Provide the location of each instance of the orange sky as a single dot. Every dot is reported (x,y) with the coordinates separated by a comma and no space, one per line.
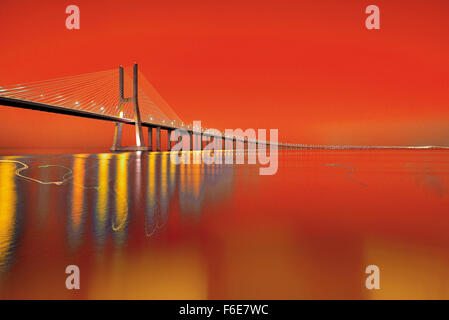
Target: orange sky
(308,68)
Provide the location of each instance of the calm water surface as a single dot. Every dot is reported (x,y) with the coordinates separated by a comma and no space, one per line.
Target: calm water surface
(140,227)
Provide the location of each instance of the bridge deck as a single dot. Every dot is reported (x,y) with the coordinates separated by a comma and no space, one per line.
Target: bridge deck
(11,102)
(18,103)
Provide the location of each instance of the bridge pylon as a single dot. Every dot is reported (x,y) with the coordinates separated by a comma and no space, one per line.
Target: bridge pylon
(117,143)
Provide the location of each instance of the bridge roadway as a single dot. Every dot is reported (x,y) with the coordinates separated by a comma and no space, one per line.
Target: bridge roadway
(17,103)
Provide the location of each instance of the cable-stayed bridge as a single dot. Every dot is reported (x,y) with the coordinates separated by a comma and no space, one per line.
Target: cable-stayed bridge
(113,95)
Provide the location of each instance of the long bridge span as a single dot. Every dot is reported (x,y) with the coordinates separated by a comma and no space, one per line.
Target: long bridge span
(113,95)
(101,96)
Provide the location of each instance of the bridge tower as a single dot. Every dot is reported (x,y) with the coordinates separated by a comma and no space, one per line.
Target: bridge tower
(117,143)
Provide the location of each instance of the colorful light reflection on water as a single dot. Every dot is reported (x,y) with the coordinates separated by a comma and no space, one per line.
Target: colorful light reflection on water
(139,226)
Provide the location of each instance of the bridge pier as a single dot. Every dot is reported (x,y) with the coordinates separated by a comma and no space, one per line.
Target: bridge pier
(199,141)
(207,141)
(194,141)
(117,142)
(238,144)
(150,138)
(228,144)
(169,139)
(158,138)
(218,142)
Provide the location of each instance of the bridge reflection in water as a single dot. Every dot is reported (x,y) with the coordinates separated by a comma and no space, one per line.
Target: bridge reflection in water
(105,189)
(139,226)
(100,198)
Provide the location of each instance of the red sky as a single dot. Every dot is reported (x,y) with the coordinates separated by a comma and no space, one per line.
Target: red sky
(309,68)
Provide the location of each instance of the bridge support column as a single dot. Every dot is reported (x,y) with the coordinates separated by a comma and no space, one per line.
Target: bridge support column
(158,139)
(150,138)
(191,141)
(237,144)
(117,142)
(227,144)
(169,139)
(217,142)
(204,142)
